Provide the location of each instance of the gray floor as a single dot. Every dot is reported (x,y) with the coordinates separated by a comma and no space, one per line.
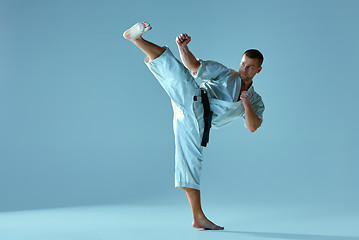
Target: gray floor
(174,222)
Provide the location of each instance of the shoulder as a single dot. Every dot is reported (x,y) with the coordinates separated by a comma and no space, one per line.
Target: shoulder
(256,97)
(212,63)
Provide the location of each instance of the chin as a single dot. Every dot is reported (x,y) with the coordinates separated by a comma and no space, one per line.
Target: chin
(244,78)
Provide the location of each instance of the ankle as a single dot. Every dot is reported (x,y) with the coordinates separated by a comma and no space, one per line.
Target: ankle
(199,217)
(139,39)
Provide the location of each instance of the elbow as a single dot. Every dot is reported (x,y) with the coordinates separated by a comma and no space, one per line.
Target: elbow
(252,130)
(252,127)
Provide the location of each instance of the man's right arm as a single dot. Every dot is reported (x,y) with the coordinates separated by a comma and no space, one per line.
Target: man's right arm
(187,57)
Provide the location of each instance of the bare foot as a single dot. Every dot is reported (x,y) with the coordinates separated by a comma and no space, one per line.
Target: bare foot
(136,31)
(204,223)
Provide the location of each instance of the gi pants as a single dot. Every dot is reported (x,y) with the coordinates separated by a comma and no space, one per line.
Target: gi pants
(188,123)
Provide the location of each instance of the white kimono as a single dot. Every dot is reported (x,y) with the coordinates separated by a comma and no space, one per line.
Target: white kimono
(223,88)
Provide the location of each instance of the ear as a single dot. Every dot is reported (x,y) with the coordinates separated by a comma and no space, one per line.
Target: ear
(259,69)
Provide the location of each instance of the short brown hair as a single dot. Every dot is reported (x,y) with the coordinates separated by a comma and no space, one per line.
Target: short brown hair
(254,53)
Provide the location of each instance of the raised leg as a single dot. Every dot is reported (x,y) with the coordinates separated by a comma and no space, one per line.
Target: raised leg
(134,34)
(199,219)
(153,51)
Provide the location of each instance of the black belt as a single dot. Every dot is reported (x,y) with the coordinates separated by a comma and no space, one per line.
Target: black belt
(207,116)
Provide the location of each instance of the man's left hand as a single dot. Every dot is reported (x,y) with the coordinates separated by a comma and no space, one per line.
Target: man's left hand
(245,97)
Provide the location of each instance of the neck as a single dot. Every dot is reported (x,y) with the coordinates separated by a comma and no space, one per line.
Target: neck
(245,85)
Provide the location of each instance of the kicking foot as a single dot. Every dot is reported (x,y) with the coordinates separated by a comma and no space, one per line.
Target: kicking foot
(205,224)
(136,31)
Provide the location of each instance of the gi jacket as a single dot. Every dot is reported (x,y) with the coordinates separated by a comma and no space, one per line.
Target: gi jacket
(223,86)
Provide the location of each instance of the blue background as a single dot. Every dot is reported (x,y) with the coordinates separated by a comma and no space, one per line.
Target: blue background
(83,121)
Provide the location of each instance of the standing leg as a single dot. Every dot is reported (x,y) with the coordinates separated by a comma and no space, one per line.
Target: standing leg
(134,34)
(199,219)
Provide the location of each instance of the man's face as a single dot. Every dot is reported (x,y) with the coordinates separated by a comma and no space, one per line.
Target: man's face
(249,68)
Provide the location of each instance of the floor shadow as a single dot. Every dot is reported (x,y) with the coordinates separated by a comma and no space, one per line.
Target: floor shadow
(292,236)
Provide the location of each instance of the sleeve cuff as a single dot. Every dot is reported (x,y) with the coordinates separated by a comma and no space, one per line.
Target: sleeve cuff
(200,69)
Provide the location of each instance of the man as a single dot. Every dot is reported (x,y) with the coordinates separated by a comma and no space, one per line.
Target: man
(223,96)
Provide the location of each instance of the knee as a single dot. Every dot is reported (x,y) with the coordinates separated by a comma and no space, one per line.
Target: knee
(147,59)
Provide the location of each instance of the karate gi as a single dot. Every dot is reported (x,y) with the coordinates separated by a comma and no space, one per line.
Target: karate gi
(223,88)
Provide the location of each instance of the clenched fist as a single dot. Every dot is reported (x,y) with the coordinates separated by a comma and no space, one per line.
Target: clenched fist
(183,39)
(245,97)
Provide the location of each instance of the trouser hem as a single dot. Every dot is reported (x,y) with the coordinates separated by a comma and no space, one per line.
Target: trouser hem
(188,185)
(150,62)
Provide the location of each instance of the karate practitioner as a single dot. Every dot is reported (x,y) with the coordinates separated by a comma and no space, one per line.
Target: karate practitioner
(224,96)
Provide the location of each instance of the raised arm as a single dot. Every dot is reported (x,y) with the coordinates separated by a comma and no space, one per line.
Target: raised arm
(187,57)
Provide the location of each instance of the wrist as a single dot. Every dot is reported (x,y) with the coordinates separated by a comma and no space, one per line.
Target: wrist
(247,105)
(183,47)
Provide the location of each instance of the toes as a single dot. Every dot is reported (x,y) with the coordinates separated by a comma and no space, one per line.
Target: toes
(146,27)
(216,227)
